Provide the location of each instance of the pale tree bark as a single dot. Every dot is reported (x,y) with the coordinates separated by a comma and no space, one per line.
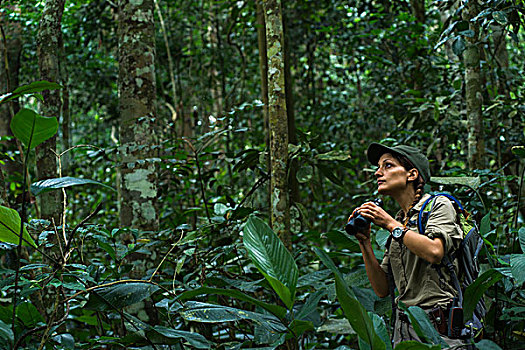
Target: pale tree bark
(280,209)
(48,38)
(137,94)
(290,115)
(263,70)
(473,94)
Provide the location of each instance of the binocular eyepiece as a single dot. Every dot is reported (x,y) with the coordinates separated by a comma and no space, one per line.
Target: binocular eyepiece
(359,222)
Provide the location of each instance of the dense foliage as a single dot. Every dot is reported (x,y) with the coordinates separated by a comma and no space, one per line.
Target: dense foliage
(215,275)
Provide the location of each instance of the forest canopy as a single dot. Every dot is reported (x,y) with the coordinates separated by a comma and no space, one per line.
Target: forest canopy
(178,174)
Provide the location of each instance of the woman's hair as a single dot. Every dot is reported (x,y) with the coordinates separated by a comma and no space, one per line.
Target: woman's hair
(418,183)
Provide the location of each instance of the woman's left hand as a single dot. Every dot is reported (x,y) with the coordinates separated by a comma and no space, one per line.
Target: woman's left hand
(378,216)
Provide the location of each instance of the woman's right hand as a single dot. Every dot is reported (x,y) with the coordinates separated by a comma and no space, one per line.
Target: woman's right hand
(362,237)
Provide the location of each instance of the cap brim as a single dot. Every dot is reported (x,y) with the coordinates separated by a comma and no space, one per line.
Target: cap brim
(376,150)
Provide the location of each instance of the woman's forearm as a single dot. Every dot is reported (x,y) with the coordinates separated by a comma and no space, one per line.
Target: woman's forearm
(375,273)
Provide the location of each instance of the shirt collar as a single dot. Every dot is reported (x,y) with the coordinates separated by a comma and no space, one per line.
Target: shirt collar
(415,209)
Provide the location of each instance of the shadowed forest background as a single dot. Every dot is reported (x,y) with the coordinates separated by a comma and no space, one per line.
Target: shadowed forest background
(177,174)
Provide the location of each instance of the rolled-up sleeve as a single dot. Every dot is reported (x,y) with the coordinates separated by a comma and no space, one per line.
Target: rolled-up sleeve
(442,223)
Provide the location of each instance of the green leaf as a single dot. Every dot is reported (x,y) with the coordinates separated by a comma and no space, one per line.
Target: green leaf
(305,173)
(486,344)
(44,186)
(353,309)
(163,335)
(311,304)
(423,327)
(271,257)
(415,345)
(65,340)
(28,315)
(500,17)
(119,295)
(343,240)
(28,126)
(521,236)
(458,46)
(6,336)
(517,265)
(10,228)
(210,313)
(519,151)
(475,291)
(299,327)
(484,226)
(36,86)
(471,181)
(357,316)
(334,155)
(381,329)
(275,310)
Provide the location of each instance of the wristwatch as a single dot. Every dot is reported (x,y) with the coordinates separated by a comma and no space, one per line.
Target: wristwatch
(398,233)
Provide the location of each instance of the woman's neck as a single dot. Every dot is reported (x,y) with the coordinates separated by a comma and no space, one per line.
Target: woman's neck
(405,199)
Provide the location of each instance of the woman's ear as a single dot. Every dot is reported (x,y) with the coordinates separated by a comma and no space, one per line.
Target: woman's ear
(413,174)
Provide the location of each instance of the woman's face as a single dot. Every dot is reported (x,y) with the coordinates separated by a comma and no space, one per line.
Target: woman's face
(391,176)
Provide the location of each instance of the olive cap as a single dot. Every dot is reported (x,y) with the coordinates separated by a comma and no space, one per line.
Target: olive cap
(414,155)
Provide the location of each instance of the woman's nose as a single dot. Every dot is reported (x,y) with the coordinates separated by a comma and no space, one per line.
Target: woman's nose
(377,173)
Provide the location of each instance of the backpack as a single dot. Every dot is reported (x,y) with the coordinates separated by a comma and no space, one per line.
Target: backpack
(467,258)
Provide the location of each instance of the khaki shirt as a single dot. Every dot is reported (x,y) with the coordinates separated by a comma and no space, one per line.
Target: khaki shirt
(419,282)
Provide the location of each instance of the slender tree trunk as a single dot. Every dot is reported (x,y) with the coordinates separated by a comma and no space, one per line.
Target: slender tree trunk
(10,50)
(137,94)
(48,38)
(418,10)
(290,114)
(263,69)
(473,93)
(280,209)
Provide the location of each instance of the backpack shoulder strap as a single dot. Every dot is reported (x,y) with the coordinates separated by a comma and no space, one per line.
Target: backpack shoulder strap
(421,222)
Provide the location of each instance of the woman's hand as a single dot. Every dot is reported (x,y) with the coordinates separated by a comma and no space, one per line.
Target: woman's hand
(362,237)
(378,216)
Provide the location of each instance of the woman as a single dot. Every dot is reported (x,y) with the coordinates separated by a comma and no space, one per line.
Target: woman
(402,173)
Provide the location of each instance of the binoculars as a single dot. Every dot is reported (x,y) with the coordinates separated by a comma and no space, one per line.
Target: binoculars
(360,223)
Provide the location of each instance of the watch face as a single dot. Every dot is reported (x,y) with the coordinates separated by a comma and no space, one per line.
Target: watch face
(397,232)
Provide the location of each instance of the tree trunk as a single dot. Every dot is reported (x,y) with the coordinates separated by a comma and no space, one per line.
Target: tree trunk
(10,50)
(48,39)
(263,69)
(137,93)
(473,93)
(280,210)
(418,10)
(290,114)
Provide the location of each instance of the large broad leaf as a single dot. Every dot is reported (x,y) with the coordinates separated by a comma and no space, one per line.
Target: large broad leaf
(272,259)
(519,151)
(517,265)
(415,345)
(210,313)
(32,129)
(43,186)
(354,311)
(472,182)
(10,228)
(164,335)
(423,327)
(6,336)
(475,291)
(119,295)
(521,236)
(36,86)
(276,310)
(486,344)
